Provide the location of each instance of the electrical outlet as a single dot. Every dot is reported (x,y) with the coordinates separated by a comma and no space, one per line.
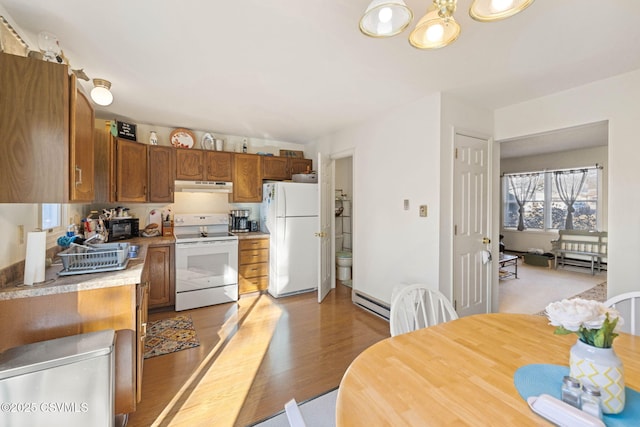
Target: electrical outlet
(21,234)
(406,204)
(423,210)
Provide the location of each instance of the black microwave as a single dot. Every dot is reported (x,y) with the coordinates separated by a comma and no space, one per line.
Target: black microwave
(122,228)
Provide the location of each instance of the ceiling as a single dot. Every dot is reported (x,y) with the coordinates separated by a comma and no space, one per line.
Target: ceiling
(585,136)
(292,70)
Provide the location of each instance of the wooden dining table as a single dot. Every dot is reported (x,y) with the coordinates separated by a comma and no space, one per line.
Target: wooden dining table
(459,373)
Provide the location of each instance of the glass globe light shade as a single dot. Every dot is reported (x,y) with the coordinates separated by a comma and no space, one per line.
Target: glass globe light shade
(101,94)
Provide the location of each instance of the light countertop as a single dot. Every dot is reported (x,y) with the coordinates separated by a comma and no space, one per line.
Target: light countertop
(55,284)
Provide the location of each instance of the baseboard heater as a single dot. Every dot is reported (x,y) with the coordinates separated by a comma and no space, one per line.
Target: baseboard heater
(371,305)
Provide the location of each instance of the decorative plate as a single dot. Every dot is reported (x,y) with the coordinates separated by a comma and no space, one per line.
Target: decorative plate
(207,143)
(182,138)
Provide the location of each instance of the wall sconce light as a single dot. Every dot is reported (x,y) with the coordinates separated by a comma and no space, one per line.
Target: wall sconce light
(101,93)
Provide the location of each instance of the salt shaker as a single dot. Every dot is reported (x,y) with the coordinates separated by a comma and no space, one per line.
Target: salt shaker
(591,400)
(571,391)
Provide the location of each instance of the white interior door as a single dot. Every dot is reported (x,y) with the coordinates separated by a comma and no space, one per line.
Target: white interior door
(471,276)
(324,236)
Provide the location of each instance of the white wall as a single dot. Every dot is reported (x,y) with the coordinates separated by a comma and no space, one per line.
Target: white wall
(396,157)
(524,240)
(457,115)
(615,100)
(12,247)
(404,154)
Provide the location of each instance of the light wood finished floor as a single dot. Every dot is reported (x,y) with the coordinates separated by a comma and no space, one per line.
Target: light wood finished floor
(253,357)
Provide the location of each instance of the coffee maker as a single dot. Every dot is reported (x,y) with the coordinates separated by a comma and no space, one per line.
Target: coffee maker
(239,220)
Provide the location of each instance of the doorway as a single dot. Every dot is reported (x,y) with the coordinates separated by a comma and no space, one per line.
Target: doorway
(575,147)
(343,206)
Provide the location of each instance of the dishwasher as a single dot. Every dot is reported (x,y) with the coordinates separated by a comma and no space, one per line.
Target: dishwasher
(64,382)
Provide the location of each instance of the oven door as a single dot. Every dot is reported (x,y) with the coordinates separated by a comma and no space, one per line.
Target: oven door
(209,264)
(206,273)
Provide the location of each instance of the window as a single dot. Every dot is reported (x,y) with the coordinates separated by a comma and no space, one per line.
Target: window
(545,205)
(50,216)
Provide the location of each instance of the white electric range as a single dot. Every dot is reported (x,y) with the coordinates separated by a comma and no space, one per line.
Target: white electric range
(206,260)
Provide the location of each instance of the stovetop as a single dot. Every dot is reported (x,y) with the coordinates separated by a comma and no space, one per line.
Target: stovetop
(202,227)
(204,237)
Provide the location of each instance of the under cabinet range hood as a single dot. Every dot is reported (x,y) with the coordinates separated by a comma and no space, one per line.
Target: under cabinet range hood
(203,186)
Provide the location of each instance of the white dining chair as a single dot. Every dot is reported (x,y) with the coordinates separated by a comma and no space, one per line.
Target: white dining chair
(418,306)
(294,416)
(628,305)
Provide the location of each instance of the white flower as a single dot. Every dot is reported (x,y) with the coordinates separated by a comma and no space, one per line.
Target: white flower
(576,313)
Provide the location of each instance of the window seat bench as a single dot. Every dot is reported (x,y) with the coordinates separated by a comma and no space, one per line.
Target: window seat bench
(580,246)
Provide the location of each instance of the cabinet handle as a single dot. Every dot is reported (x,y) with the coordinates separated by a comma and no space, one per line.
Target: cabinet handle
(144,331)
(79,170)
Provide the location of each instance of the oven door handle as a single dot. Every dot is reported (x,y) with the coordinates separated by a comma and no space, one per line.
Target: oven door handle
(197,245)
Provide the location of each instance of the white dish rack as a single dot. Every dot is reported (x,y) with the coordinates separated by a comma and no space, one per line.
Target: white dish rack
(94,259)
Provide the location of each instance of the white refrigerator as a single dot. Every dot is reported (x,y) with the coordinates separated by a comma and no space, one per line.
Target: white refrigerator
(290,214)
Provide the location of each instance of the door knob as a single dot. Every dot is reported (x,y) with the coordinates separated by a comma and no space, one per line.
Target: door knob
(486,240)
(321,234)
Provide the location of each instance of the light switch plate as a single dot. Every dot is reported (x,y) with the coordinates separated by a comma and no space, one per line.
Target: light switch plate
(406,204)
(423,210)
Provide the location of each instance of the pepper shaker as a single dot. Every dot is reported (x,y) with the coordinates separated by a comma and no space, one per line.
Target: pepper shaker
(571,391)
(591,400)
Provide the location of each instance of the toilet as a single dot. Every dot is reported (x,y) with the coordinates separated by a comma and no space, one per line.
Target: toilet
(343,260)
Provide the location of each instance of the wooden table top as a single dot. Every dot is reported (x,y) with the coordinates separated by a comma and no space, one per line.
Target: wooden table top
(459,373)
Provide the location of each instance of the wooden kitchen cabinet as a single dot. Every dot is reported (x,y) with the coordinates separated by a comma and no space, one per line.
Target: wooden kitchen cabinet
(37,109)
(160,260)
(253,265)
(81,125)
(276,168)
(142,319)
(300,165)
(162,173)
(282,168)
(189,164)
(130,171)
(201,165)
(218,166)
(247,178)
(46,317)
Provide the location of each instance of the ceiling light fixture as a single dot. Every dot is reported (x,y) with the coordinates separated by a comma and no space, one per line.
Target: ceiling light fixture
(436,29)
(101,93)
(385,18)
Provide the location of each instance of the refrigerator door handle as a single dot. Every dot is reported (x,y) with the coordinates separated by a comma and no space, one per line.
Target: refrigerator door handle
(284,197)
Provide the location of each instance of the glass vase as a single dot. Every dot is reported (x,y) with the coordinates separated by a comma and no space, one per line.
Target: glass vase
(603,368)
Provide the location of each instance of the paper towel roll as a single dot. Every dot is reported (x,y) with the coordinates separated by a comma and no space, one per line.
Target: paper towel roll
(34,263)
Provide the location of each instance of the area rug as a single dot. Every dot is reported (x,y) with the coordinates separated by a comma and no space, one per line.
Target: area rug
(597,293)
(170,335)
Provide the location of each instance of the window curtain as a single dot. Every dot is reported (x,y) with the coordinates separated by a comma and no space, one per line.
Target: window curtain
(569,185)
(523,190)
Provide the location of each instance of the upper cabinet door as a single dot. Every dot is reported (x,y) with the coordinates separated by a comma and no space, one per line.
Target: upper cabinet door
(162,173)
(299,166)
(34,131)
(247,178)
(131,171)
(81,145)
(218,166)
(190,165)
(276,168)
